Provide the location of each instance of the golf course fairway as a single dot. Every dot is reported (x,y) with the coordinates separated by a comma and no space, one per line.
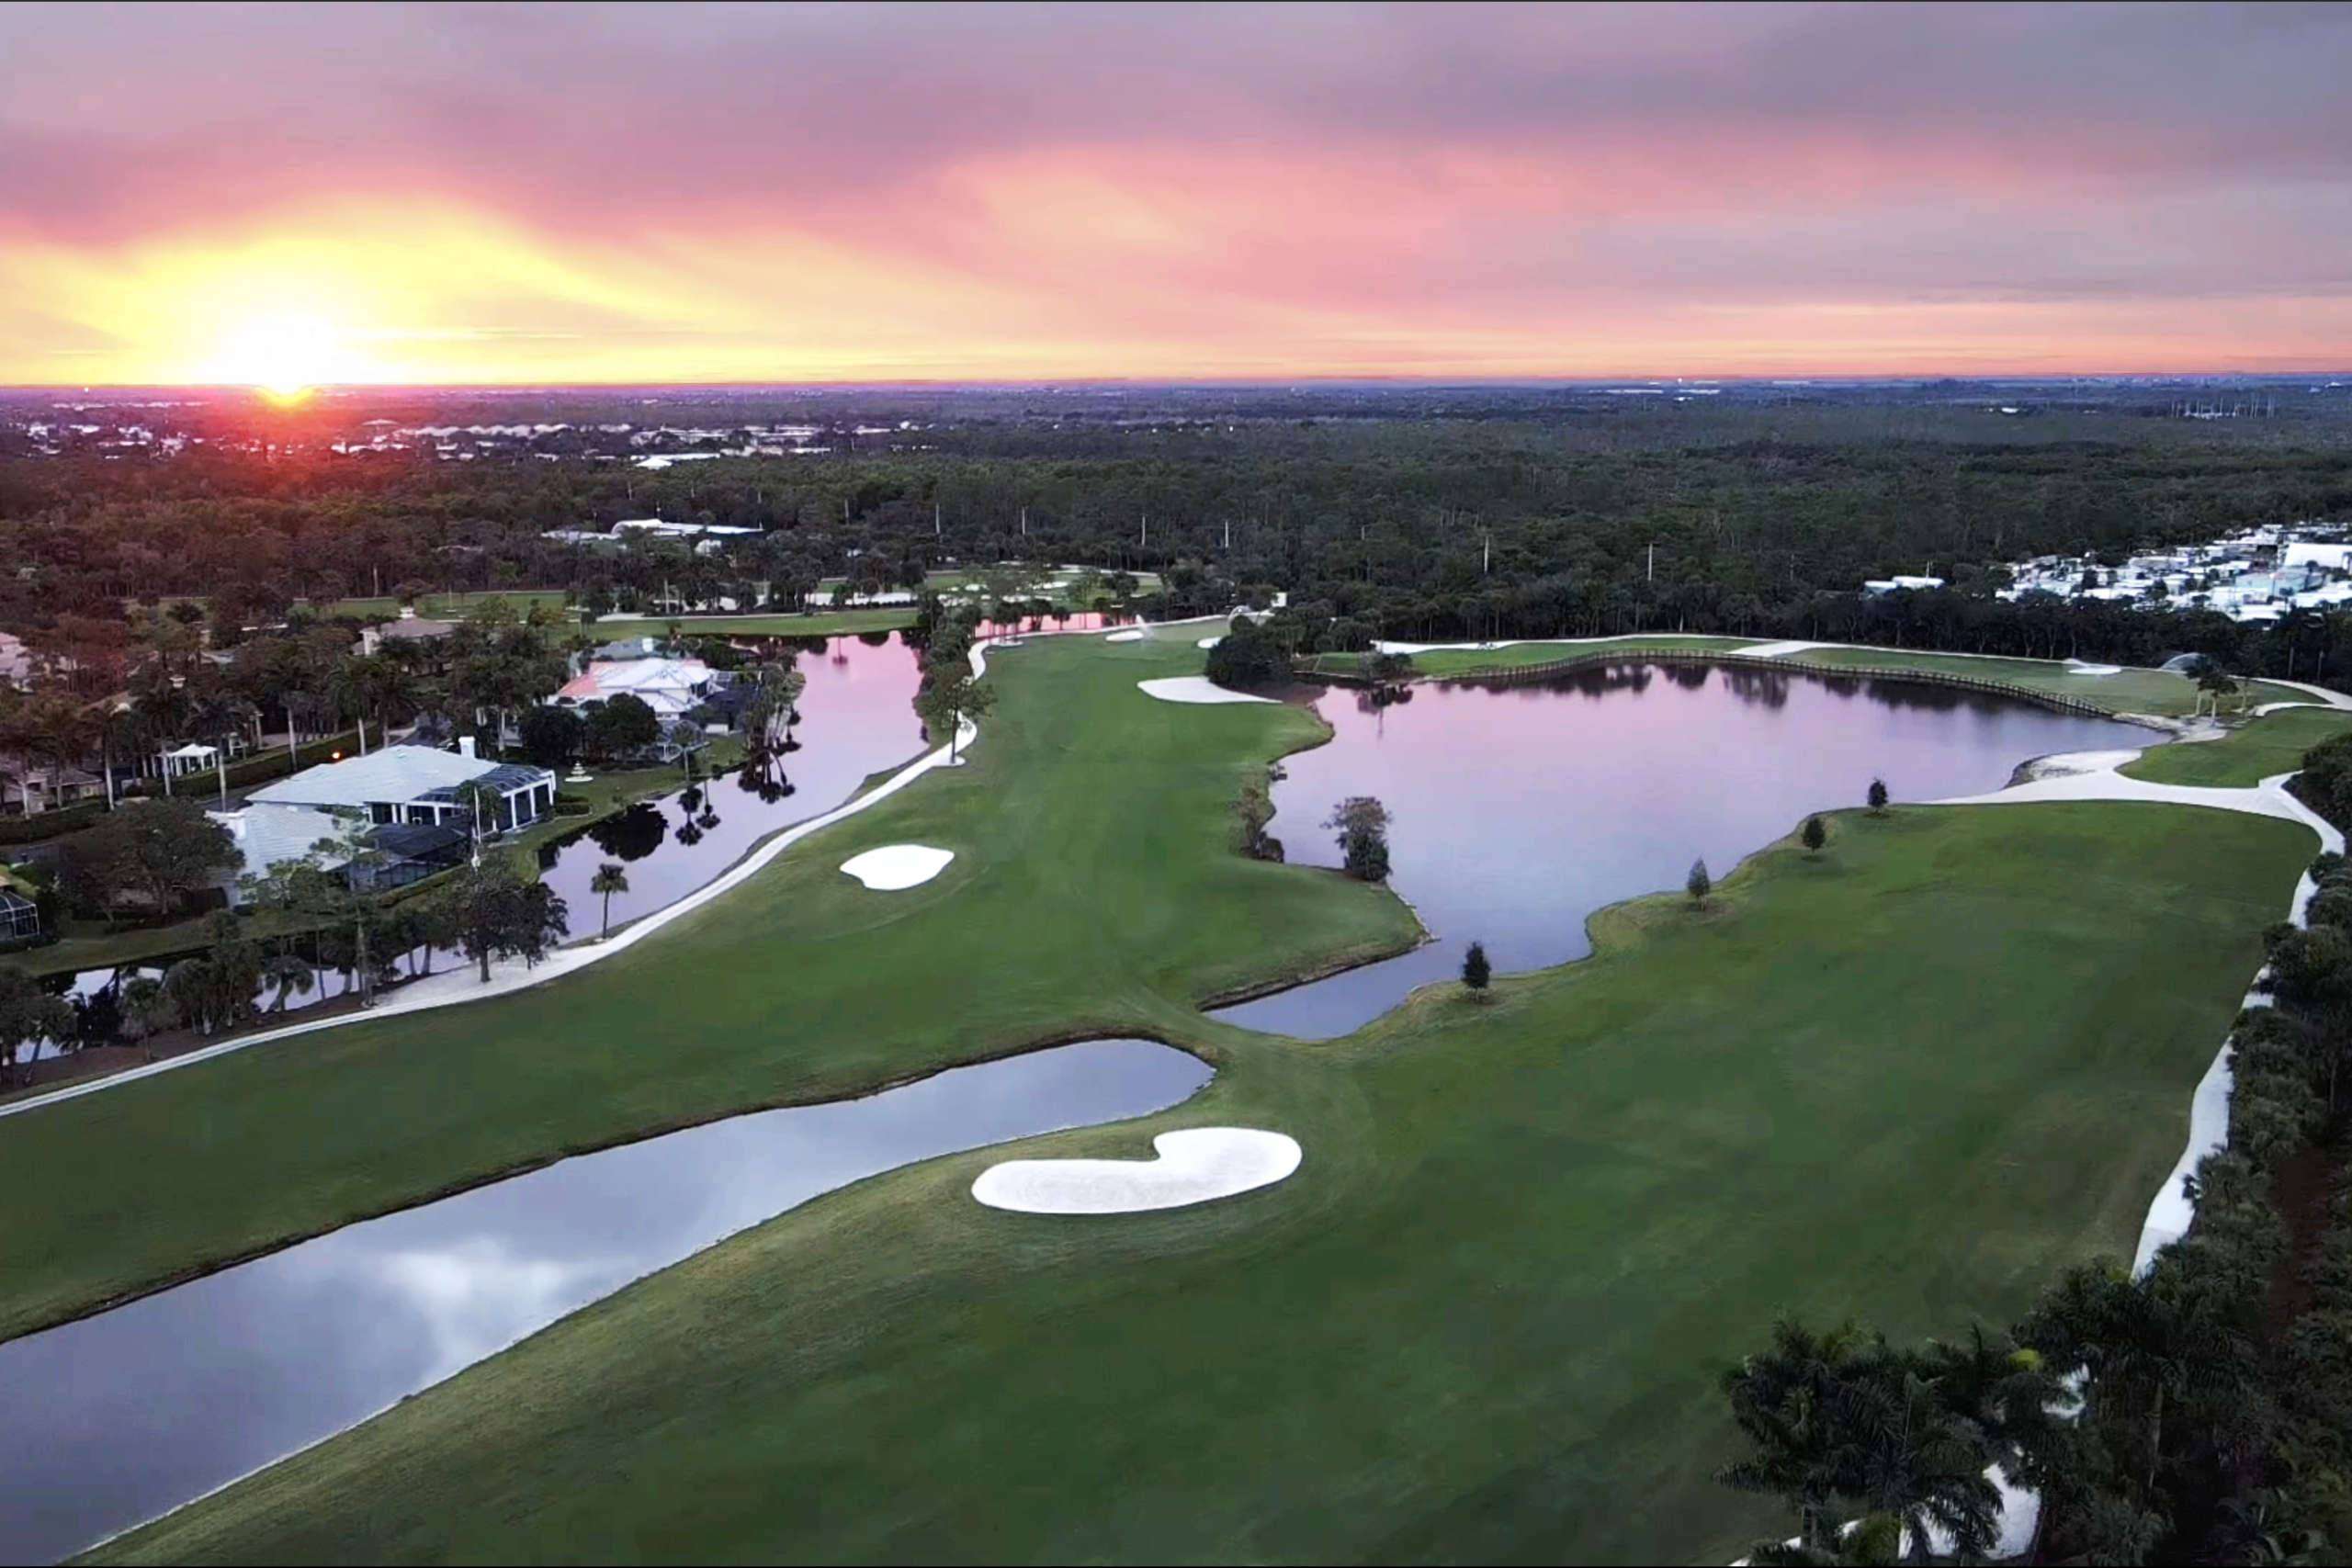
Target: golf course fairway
(1904,1080)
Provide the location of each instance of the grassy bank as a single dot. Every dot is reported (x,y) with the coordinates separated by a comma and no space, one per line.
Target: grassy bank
(2157,691)
(2264,747)
(1484,1320)
(1445,661)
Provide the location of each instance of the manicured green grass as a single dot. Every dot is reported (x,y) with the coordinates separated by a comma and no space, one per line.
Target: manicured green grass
(444,606)
(1093,893)
(824,622)
(2266,747)
(1904,1080)
(1447,661)
(2154,692)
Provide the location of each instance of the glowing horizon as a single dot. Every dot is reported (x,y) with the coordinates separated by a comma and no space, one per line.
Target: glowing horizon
(464,195)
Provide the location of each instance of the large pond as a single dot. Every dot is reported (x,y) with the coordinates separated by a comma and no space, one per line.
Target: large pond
(1521,810)
(117,1419)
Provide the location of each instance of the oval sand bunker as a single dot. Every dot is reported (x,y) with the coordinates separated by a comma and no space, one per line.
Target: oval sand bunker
(895,866)
(1194,688)
(1198,1165)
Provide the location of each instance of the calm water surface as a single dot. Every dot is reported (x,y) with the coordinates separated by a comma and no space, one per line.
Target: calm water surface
(1520,810)
(117,1419)
(856,719)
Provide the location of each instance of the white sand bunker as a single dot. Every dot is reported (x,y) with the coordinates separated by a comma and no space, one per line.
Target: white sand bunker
(2076,667)
(1199,1165)
(1130,634)
(1193,689)
(895,866)
(1208,642)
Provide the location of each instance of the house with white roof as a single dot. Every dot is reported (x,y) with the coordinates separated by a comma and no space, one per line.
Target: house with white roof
(397,853)
(417,784)
(668,686)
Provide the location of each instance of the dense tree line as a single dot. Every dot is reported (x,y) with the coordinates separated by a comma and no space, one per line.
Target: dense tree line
(1433,529)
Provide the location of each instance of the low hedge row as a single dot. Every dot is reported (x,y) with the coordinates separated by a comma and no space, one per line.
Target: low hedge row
(51,824)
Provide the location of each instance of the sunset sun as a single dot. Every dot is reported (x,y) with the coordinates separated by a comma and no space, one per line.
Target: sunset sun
(284,357)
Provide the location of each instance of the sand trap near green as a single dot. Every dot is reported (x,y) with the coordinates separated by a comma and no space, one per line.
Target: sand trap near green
(1194,688)
(1198,1165)
(894,867)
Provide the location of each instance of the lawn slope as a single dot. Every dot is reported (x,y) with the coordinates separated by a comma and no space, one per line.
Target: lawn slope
(2158,692)
(1905,1079)
(2264,747)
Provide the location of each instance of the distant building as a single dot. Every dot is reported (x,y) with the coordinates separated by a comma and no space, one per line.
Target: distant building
(410,628)
(707,537)
(1890,584)
(28,788)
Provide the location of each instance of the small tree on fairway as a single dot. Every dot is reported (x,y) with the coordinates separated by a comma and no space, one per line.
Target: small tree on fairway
(1813,836)
(2214,682)
(610,879)
(1878,795)
(1699,884)
(948,697)
(1476,971)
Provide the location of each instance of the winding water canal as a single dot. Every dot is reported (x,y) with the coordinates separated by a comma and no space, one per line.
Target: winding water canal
(117,1419)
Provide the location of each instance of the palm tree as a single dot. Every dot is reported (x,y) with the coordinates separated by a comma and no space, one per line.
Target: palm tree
(368,686)
(1922,1465)
(482,804)
(290,974)
(1789,1401)
(610,879)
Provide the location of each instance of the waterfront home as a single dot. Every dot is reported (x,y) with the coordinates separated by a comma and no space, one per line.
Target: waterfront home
(418,784)
(668,686)
(392,854)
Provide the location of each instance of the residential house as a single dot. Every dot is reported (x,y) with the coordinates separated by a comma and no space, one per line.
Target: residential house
(410,628)
(28,788)
(417,784)
(396,854)
(668,686)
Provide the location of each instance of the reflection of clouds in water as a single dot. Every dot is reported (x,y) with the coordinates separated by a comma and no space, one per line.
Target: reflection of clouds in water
(479,1297)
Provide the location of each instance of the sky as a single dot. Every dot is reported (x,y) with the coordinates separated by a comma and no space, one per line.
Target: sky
(618,194)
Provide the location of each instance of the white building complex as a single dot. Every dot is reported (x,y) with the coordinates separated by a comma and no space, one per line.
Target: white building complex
(2259,575)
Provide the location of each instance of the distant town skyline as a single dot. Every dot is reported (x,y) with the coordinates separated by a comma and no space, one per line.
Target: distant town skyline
(454,194)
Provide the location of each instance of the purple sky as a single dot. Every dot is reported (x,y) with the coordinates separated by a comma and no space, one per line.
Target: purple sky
(610,192)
